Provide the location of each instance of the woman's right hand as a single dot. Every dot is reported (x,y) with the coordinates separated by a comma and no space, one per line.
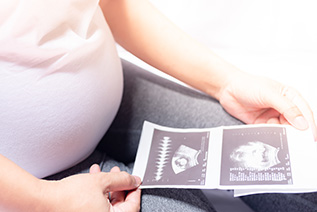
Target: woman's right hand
(90,192)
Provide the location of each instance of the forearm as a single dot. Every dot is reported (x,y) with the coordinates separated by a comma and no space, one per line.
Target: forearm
(146,33)
(20,191)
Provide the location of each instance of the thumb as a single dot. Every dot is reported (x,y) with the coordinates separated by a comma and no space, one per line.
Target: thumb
(119,181)
(288,103)
(298,122)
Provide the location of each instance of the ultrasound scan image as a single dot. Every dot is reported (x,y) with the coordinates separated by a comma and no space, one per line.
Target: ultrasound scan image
(177,158)
(253,156)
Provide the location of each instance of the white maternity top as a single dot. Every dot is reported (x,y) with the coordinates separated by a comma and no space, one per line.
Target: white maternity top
(60,82)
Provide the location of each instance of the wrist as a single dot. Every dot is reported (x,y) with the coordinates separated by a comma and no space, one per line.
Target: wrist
(28,197)
(222,75)
(46,198)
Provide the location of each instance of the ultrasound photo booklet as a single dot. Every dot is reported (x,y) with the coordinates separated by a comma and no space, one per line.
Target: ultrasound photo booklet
(248,159)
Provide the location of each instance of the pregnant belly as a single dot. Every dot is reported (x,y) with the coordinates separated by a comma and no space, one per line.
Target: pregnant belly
(53,122)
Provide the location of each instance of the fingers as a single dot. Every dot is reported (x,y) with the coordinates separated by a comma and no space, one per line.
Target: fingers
(303,106)
(117,196)
(305,117)
(273,121)
(287,106)
(283,120)
(126,202)
(294,116)
(94,169)
(116,180)
(293,113)
(269,116)
(115,169)
(119,181)
(132,201)
(295,110)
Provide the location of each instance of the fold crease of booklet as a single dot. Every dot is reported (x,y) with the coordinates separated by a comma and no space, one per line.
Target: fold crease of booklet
(248,159)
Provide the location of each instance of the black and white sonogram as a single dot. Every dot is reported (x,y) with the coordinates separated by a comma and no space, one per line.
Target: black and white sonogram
(177,158)
(254,156)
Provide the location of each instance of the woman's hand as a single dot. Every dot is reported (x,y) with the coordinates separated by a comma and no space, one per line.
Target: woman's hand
(96,191)
(254,99)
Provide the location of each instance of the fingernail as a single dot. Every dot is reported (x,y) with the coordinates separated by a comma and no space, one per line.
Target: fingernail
(300,122)
(137,181)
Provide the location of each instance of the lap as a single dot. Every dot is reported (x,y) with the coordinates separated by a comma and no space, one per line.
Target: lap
(149,97)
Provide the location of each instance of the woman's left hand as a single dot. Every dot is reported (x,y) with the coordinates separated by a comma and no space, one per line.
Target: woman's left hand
(254,100)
